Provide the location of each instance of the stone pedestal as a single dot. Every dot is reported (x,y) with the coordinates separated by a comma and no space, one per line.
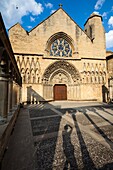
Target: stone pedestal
(3,99)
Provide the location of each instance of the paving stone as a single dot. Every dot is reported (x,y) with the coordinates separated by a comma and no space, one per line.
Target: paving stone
(62,142)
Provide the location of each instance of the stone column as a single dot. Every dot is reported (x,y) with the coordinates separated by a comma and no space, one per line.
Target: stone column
(3,99)
(10,92)
(18,94)
(14,95)
(111,89)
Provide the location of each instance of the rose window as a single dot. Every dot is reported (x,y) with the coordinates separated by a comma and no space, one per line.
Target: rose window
(60,47)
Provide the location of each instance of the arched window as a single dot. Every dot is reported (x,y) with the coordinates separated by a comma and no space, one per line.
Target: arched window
(60,47)
(27,76)
(23,75)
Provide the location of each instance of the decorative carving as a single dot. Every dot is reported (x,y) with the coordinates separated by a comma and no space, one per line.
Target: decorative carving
(59,67)
(60,47)
(94,73)
(29,68)
(60,44)
(60,78)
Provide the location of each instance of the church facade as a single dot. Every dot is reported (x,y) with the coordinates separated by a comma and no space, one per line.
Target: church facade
(60,61)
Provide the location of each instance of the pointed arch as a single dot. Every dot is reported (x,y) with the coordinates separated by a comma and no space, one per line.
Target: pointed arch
(60,66)
(22,63)
(27,64)
(32,76)
(65,39)
(37,65)
(37,76)
(61,74)
(33,64)
(22,71)
(27,76)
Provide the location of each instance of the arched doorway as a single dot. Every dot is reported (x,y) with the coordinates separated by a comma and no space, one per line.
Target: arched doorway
(60,92)
(61,81)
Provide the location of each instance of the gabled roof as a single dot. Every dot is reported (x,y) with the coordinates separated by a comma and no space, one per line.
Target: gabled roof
(19,25)
(14,25)
(53,14)
(48,18)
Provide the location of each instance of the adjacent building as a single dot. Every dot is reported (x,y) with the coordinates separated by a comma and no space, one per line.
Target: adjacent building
(109,60)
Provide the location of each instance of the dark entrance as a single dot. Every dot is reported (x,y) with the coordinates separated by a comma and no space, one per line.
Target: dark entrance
(60,92)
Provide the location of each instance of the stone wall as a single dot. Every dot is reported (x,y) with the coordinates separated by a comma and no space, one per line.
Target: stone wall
(110,75)
(33,55)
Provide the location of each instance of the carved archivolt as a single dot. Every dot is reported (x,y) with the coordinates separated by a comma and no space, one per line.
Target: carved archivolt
(29,68)
(61,69)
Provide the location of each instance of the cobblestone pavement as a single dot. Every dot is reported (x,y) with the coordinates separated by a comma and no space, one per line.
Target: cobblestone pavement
(65,135)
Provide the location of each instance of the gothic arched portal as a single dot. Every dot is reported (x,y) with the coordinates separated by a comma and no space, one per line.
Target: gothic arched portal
(59,75)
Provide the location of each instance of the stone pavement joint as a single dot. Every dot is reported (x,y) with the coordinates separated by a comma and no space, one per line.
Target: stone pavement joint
(94,135)
(62,135)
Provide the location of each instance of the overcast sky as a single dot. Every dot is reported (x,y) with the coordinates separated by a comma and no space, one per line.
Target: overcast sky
(30,13)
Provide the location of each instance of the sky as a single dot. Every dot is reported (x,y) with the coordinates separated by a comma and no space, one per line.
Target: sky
(30,13)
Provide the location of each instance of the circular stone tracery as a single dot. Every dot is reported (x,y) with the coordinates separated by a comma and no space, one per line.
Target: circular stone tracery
(60,47)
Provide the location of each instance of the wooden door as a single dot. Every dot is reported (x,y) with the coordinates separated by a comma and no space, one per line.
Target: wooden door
(60,92)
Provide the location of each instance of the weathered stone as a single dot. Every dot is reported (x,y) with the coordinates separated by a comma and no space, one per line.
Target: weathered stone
(82,68)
